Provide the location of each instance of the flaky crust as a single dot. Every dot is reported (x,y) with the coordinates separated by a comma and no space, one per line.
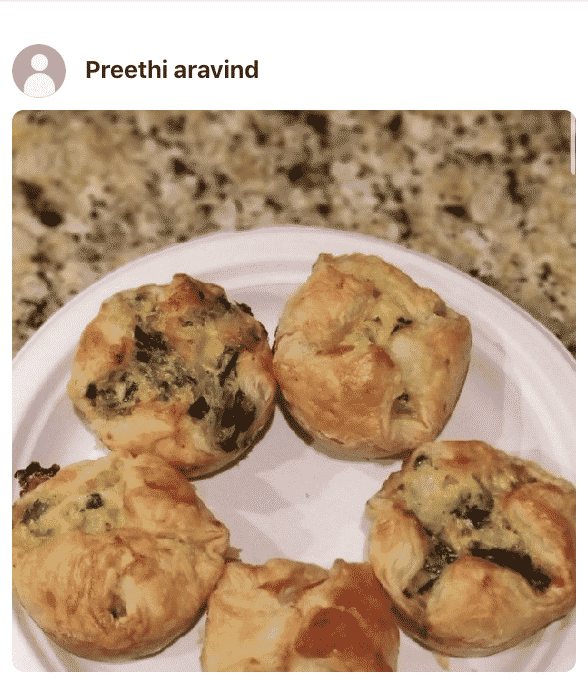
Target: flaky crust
(177,371)
(476,547)
(114,558)
(369,363)
(292,616)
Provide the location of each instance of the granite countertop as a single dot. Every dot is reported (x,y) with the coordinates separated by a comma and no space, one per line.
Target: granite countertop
(489,192)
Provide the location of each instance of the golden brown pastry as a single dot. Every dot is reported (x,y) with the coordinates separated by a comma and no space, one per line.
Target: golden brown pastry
(292,616)
(175,370)
(114,558)
(475,547)
(369,363)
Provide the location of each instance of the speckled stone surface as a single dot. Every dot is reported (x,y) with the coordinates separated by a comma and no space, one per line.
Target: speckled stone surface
(489,192)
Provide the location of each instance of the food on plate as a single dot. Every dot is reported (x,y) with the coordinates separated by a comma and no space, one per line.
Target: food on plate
(291,616)
(369,363)
(175,370)
(114,558)
(475,547)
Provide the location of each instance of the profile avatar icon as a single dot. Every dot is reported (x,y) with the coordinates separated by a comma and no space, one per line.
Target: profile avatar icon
(39,85)
(38,71)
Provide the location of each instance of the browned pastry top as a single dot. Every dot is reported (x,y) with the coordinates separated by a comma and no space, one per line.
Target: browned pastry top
(291,616)
(476,547)
(113,558)
(369,363)
(175,370)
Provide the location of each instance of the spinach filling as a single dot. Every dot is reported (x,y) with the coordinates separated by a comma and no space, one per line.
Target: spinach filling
(32,515)
(235,419)
(232,418)
(29,478)
(34,511)
(440,555)
(148,345)
(228,365)
(400,405)
(121,391)
(245,307)
(117,608)
(475,509)
(401,322)
(518,562)
(199,409)
(94,501)
(116,395)
(472,510)
(237,414)
(44,519)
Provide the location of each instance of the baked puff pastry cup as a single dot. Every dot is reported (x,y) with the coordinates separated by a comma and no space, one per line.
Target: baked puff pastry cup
(177,371)
(114,558)
(475,547)
(291,616)
(369,363)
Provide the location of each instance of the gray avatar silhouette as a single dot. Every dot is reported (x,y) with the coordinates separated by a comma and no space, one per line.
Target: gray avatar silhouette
(38,71)
(39,85)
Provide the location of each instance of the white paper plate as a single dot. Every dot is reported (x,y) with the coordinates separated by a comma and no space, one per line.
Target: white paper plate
(285,499)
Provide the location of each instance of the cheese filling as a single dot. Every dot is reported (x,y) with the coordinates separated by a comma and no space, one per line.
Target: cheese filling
(461,519)
(48,518)
(209,391)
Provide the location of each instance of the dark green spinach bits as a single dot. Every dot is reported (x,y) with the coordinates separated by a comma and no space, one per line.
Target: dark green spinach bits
(475,510)
(236,418)
(148,345)
(94,501)
(199,409)
(110,396)
(440,555)
(228,366)
(520,563)
(401,322)
(34,511)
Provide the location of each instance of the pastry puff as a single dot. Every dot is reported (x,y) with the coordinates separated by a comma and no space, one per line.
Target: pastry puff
(369,363)
(177,371)
(475,547)
(114,558)
(292,616)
